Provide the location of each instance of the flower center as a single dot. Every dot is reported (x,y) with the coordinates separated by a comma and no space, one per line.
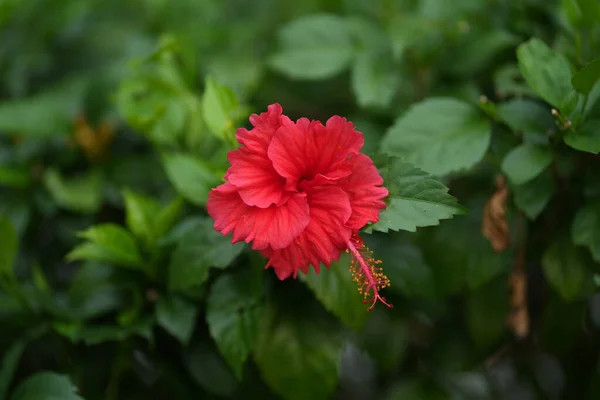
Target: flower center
(365,272)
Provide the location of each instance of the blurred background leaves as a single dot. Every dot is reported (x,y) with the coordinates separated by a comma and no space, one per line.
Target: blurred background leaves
(115,122)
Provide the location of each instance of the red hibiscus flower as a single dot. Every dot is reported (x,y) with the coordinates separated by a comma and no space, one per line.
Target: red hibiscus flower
(300,192)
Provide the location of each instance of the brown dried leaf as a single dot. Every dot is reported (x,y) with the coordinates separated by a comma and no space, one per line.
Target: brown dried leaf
(94,143)
(518,320)
(495,225)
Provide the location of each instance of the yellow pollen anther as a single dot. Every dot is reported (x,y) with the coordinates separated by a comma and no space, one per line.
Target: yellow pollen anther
(366,273)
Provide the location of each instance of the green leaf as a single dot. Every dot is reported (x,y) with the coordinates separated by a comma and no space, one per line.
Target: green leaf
(585,79)
(386,338)
(477,50)
(294,349)
(404,265)
(526,117)
(10,363)
(92,335)
(415,199)
(586,228)
(509,82)
(140,215)
(235,307)
(415,388)
(46,114)
(168,216)
(192,178)
(564,265)
(8,249)
(337,291)
(486,311)
(92,292)
(459,254)
(525,162)
(15,177)
(81,194)
(408,30)
(590,11)
(316,46)
(108,243)
(177,316)
(201,248)
(483,264)
(548,73)
(219,104)
(439,135)
(375,80)
(586,138)
(208,369)
(533,196)
(46,386)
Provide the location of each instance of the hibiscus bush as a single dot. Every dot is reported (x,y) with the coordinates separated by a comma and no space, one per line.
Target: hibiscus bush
(322,199)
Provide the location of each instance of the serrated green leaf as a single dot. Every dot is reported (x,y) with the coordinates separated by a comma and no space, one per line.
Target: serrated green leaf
(585,79)
(140,215)
(81,194)
(8,249)
(375,80)
(317,46)
(525,162)
(564,266)
(548,73)
(586,228)
(415,199)
(439,135)
(235,308)
(10,362)
(338,293)
(46,386)
(586,138)
(108,243)
(219,104)
(198,251)
(294,349)
(192,178)
(177,316)
(533,196)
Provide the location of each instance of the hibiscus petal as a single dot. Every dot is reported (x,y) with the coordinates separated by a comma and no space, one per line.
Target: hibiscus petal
(364,190)
(265,125)
(324,238)
(274,227)
(310,151)
(335,142)
(257,181)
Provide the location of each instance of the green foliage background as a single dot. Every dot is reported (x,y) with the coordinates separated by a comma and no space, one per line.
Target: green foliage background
(115,121)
